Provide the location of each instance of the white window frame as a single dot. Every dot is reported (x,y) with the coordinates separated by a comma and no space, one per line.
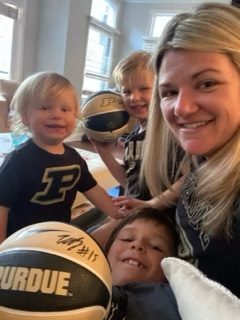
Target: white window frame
(18,34)
(150,42)
(112,33)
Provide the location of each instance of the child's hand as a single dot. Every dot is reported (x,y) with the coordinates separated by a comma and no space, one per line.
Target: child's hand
(128,205)
(102,147)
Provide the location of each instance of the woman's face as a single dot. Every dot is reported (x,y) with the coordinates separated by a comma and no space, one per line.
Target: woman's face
(136,253)
(200,99)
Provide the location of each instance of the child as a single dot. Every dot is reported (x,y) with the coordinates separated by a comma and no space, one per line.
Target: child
(40,179)
(138,244)
(135,250)
(134,78)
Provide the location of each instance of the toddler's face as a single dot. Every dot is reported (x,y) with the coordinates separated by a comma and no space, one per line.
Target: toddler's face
(136,91)
(53,119)
(136,253)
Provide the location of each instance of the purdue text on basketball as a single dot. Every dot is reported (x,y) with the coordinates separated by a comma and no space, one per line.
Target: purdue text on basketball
(34,280)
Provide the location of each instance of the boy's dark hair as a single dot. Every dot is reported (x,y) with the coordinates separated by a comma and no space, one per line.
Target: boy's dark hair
(163,217)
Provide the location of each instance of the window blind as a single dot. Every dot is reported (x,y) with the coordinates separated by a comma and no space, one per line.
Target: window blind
(99,55)
(149,43)
(9,11)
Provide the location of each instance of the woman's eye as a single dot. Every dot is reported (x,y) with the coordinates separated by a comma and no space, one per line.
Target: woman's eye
(167,93)
(208,84)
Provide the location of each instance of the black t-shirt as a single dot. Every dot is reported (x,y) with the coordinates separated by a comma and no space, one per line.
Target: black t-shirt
(39,186)
(134,147)
(217,257)
(143,301)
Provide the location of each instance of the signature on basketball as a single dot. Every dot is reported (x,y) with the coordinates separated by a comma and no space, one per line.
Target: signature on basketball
(79,245)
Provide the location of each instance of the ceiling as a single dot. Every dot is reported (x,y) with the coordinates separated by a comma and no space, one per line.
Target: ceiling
(163,1)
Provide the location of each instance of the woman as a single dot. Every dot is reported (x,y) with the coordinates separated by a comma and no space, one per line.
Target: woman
(196,104)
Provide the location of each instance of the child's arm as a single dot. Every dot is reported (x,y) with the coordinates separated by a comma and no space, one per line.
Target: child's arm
(100,199)
(105,150)
(102,233)
(166,200)
(3,222)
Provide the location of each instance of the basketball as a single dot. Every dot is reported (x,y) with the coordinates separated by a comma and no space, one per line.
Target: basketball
(52,270)
(104,116)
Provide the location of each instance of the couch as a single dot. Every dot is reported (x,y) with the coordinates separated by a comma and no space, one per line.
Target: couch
(7,90)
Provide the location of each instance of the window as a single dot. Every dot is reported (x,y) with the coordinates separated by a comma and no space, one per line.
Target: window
(9,15)
(104,11)
(100,46)
(157,25)
(6,32)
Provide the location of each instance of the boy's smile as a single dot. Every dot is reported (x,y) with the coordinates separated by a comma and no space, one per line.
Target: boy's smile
(136,253)
(136,92)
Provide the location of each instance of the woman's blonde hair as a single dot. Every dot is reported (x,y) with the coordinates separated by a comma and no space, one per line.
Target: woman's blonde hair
(138,60)
(34,89)
(211,27)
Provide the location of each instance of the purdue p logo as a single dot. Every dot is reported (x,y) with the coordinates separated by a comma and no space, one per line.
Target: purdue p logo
(56,182)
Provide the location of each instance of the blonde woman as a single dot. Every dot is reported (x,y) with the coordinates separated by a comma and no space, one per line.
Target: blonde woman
(196,104)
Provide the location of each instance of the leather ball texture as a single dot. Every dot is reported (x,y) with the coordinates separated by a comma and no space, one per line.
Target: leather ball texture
(104,117)
(52,270)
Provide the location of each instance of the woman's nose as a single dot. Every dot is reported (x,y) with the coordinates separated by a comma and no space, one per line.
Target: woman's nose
(184,104)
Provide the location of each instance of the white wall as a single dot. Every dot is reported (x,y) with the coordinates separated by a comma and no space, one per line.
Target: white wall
(76,41)
(30,39)
(55,38)
(52,35)
(136,19)
(56,33)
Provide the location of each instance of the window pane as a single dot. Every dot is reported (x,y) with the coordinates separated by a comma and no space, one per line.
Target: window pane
(6,33)
(104,11)
(159,23)
(98,52)
(98,61)
(94,85)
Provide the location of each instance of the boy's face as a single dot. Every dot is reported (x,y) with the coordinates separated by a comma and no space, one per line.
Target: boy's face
(53,119)
(136,91)
(136,253)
